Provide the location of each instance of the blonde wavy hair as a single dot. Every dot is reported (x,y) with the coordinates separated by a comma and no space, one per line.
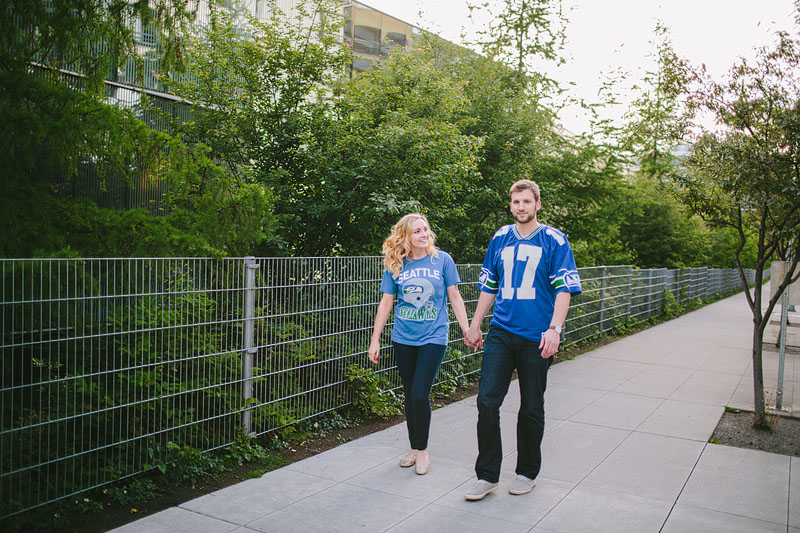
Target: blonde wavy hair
(397,245)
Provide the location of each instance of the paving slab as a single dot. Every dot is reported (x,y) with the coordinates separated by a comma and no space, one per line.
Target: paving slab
(711,388)
(691,356)
(440,479)
(608,375)
(601,511)
(683,420)
(741,482)
(447,520)
(656,381)
(689,519)
(457,416)
(618,410)
(177,520)
(650,447)
(247,501)
(344,462)
(342,507)
(563,400)
(647,465)
(729,360)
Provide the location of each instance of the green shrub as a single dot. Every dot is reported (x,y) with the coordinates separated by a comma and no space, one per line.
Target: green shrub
(368,398)
(185,463)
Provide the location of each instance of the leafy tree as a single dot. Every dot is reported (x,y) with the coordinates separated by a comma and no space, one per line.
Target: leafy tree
(522,139)
(746,175)
(658,229)
(723,243)
(209,213)
(522,32)
(259,92)
(655,134)
(391,146)
(514,110)
(53,118)
(56,120)
(657,121)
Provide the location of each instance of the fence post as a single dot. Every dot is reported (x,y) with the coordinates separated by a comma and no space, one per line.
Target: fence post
(630,290)
(248,350)
(602,298)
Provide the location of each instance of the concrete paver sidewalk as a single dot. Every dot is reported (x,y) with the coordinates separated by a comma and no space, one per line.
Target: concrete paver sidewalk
(625,449)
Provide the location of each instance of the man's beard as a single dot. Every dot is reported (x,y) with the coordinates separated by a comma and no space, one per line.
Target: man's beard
(527,217)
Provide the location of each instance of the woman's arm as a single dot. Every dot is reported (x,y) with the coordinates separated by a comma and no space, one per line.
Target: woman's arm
(384,308)
(459,309)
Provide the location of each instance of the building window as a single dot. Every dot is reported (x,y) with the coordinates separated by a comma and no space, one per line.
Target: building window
(367,40)
(148,37)
(394,38)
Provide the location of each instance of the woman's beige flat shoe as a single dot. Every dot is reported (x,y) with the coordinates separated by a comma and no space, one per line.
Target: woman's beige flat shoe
(423,464)
(409,459)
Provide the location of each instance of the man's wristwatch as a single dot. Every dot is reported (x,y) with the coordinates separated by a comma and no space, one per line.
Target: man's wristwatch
(557,328)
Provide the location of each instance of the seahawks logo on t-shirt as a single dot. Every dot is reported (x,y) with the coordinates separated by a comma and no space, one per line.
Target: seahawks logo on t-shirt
(417,291)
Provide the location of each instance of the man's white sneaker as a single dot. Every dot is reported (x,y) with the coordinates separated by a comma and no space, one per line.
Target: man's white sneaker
(479,490)
(521,485)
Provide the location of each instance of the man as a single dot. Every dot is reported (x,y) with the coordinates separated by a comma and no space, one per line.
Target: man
(529,275)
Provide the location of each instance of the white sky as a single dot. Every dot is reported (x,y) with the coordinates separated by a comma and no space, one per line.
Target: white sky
(607,35)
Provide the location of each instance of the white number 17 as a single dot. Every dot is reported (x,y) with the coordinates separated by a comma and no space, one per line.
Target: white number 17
(531,255)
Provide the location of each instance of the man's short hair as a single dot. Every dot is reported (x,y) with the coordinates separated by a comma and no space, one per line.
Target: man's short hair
(525,185)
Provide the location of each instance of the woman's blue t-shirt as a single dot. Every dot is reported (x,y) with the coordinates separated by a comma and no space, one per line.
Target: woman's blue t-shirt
(420,316)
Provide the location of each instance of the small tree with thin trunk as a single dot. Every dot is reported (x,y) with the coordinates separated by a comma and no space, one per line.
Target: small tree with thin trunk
(745,174)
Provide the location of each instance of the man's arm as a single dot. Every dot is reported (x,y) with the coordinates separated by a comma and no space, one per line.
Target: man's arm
(551,339)
(474,337)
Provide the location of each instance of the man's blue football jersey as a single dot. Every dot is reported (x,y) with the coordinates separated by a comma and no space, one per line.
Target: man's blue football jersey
(525,274)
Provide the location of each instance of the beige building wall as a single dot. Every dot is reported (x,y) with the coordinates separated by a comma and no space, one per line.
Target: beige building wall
(776,276)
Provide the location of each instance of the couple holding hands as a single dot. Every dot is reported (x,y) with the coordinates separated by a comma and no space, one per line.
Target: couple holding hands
(528,275)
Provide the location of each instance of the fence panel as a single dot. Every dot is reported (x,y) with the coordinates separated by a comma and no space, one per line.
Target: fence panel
(108,364)
(106,361)
(603,303)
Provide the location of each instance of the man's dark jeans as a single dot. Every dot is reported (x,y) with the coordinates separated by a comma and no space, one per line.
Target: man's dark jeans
(418,366)
(505,352)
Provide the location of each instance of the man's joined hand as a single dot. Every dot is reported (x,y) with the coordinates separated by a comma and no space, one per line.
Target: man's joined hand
(474,339)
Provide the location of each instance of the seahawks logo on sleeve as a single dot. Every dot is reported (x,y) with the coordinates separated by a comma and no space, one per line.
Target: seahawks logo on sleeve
(487,281)
(567,278)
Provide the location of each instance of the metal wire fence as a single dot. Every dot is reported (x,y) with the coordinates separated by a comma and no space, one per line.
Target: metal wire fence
(105,362)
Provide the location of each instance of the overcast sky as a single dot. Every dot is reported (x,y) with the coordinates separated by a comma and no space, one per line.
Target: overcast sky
(608,35)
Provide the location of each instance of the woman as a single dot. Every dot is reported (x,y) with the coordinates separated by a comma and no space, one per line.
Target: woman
(423,278)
